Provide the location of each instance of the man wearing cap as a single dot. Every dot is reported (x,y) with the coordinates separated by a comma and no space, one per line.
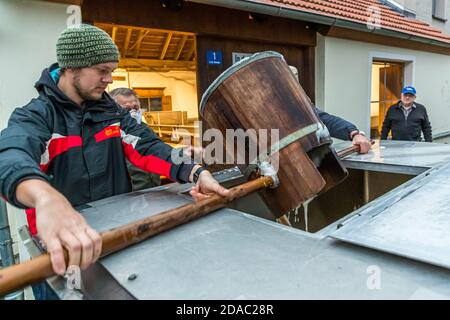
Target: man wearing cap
(68,146)
(407,119)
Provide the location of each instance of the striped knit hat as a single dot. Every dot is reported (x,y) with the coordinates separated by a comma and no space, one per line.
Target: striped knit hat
(84,46)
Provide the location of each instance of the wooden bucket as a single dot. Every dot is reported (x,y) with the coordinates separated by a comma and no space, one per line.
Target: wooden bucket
(260,92)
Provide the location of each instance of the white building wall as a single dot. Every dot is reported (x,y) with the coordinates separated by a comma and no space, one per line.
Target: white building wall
(28,34)
(343,70)
(424,12)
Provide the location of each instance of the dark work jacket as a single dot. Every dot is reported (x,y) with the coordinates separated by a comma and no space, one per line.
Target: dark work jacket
(407,129)
(81,152)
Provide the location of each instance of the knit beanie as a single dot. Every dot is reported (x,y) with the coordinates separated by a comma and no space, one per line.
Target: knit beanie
(84,46)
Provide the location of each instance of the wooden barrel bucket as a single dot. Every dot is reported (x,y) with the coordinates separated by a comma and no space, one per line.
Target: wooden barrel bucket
(260,92)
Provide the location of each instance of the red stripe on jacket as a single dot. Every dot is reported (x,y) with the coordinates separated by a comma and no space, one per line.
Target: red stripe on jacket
(60,145)
(149,163)
(56,147)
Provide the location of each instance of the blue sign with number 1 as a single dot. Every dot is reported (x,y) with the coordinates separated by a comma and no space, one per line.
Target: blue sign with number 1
(214,57)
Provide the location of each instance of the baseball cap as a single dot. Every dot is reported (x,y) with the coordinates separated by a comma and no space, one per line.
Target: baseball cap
(410,90)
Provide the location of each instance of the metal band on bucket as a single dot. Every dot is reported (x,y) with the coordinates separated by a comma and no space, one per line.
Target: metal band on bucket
(283,143)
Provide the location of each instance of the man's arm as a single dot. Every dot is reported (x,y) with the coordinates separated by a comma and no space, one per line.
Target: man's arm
(344,130)
(426,128)
(145,150)
(387,124)
(338,127)
(21,146)
(60,226)
(24,185)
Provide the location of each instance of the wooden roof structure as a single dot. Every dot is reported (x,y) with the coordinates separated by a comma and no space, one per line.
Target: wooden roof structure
(145,49)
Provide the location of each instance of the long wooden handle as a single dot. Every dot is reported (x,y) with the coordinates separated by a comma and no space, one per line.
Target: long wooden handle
(348,151)
(21,275)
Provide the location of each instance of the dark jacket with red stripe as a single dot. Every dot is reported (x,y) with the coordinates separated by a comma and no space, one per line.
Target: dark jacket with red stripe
(79,151)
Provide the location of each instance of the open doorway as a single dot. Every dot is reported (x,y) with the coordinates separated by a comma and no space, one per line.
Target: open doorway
(160,66)
(387,83)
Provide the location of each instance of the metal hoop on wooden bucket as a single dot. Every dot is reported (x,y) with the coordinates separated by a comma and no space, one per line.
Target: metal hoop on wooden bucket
(260,92)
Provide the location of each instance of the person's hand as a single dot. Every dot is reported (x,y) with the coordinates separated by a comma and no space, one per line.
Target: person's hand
(60,226)
(363,142)
(207,186)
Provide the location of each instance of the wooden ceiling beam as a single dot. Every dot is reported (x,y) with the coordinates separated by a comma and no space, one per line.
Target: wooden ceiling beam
(153,64)
(166,46)
(114,34)
(152,30)
(180,47)
(127,42)
(137,44)
(191,53)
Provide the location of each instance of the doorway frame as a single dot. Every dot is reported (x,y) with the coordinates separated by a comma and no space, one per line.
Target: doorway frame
(409,73)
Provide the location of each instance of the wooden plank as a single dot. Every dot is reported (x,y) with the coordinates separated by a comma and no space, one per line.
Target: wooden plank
(180,47)
(201,20)
(167,104)
(155,63)
(166,45)
(163,32)
(137,44)
(166,118)
(114,34)
(127,42)
(191,54)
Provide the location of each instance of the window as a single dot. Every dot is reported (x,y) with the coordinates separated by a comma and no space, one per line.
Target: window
(151,104)
(153,99)
(439,9)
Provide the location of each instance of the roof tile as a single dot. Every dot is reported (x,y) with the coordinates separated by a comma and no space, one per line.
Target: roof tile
(361,11)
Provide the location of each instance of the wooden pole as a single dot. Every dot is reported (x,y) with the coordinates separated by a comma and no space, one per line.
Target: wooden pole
(348,151)
(21,275)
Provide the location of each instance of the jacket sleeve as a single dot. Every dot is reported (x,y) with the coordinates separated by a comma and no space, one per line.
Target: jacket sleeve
(426,128)
(21,146)
(387,124)
(338,127)
(146,151)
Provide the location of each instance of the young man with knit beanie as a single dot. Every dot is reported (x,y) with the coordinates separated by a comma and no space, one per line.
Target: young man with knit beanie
(67,147)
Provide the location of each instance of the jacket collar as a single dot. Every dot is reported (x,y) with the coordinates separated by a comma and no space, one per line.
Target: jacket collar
(48,87)
(400,105)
